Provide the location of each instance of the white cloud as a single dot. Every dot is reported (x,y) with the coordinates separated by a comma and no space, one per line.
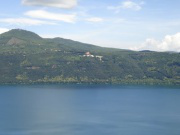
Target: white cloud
(95,19)
(2,30)
(42,14)
(169,43)
(127,5)
(51,3)
(25,21)
(131,5)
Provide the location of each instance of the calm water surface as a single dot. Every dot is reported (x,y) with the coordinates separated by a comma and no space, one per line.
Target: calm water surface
(89,110)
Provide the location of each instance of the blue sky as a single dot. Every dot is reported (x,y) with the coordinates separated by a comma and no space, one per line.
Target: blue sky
(126,24)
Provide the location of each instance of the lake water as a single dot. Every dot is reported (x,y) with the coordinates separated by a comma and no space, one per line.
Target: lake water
(89,110)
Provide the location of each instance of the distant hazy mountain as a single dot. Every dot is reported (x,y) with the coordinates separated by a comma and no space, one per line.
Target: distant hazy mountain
(25,57)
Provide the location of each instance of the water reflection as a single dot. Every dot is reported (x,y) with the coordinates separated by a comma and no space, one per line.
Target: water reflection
(79,110)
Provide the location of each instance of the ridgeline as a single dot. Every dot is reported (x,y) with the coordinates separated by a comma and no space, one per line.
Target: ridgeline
(25,57)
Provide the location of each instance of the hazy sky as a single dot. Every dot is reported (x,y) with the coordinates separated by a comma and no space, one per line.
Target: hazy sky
(127,24)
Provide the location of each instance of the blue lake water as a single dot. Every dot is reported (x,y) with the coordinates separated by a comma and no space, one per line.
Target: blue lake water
(89,110)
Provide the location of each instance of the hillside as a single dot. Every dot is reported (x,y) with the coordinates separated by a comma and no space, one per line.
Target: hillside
(25,57)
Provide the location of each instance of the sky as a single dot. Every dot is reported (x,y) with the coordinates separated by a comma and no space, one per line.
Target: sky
(126,24)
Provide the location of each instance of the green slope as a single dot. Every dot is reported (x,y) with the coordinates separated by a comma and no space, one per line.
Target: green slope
(25,57)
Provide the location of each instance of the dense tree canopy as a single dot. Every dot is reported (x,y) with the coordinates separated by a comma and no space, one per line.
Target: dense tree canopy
(25,57)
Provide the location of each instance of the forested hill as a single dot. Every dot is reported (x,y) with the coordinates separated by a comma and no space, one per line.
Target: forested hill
(25,57)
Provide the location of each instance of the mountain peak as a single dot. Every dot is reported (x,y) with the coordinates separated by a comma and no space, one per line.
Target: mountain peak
(21,34)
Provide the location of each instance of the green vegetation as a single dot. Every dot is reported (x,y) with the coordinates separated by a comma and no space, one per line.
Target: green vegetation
(25,57)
